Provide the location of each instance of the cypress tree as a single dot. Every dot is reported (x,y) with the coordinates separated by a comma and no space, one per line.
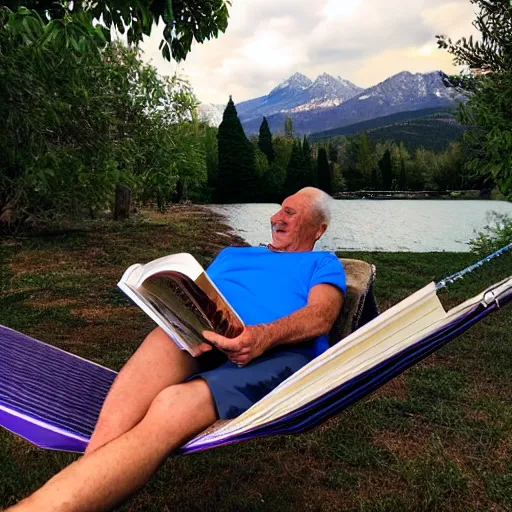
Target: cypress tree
(386,170)
(324,172)
(237,179)
(309,174)
(265,141)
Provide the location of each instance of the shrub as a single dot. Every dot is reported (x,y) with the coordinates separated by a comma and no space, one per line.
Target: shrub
(496,234)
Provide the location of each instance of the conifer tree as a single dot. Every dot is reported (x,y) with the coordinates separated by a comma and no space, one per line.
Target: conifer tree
(324,174)
(237,179)
(309,171)
(265,141)
(386,170)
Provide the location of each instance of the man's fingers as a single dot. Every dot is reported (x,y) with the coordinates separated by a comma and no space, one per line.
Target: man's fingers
(210,336)
(204,347)
(222,343)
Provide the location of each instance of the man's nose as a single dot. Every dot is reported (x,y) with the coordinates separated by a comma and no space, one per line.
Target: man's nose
(276,217)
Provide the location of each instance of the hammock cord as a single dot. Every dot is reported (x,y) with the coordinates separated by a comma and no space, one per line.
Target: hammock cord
(450,279)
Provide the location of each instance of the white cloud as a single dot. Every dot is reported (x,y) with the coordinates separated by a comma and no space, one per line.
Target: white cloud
(364,41)
(337,9)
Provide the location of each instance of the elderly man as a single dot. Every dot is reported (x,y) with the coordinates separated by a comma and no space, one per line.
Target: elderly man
(288,297)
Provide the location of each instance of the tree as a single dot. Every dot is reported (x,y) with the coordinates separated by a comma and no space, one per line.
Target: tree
(490,97)
(265,141)
(288,127)
(451,175)
(337,178)
(237,178)
(349,150)
(183,20)
(211,149)
(296,177)
(307,163)
(333,151)
(403,158)
(365,159)
(276,176)
(77,121)
(386,170)
(324,173)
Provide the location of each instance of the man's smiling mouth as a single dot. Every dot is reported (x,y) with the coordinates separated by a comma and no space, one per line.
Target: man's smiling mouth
(278,228)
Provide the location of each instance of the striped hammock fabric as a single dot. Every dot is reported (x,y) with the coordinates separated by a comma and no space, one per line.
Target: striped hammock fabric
(53,398)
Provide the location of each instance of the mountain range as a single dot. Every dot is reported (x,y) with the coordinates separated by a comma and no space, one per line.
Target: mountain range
(333,102)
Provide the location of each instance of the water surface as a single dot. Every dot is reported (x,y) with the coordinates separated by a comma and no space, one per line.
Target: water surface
(372,225)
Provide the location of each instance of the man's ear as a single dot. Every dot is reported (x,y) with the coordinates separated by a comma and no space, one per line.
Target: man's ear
(321,231)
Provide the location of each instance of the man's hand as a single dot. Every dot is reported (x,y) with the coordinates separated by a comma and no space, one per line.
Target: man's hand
(242,349)
(314,319)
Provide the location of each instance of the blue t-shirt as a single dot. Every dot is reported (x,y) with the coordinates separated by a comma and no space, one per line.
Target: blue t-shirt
(264,285)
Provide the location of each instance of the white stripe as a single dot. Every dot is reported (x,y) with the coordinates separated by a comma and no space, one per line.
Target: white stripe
(42,424)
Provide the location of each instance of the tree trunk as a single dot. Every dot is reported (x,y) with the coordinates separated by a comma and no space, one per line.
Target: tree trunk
(123,202)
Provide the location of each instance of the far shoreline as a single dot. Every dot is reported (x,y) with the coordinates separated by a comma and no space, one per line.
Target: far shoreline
(415,195)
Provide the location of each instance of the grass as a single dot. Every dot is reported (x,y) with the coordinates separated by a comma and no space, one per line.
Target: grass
(439,437)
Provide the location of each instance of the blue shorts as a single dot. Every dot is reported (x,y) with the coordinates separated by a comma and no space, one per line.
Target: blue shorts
(236,389)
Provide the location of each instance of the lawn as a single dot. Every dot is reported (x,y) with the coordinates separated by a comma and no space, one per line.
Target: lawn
(439,437)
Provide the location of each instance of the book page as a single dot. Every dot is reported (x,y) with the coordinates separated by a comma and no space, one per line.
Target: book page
(189,308)
(224,320)
(167,297)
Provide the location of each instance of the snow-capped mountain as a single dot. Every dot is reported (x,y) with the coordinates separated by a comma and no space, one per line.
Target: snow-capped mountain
(298,81)
(323,106)
(210,113)
(404,91)
(297,94)
(326,91)
(286,95)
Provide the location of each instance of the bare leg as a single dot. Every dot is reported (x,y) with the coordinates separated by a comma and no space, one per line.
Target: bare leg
(113,472)
(157,364)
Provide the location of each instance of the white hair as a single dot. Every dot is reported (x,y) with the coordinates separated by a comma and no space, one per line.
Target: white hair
(321,203)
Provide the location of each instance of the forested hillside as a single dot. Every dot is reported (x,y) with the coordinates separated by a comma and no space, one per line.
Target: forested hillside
(434,133)
(431,129)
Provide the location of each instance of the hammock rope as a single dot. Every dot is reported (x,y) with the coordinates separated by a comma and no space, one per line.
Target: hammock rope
(459,275)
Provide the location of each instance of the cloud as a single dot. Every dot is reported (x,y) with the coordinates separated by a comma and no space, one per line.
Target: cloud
(384,64)
(452,18)
(364,41)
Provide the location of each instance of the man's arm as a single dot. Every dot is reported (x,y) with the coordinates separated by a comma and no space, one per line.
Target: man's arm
(314,319)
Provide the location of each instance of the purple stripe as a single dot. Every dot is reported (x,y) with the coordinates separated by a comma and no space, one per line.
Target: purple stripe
(43,435)
(50,385)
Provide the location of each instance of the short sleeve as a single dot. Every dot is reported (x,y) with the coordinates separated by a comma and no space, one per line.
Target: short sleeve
(329,270)
(217,264)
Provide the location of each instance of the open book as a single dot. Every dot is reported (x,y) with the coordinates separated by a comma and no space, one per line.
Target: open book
(178,295)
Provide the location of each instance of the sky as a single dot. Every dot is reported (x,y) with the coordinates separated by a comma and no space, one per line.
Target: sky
(364,41)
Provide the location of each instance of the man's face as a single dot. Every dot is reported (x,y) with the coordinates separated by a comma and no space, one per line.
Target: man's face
(295,226)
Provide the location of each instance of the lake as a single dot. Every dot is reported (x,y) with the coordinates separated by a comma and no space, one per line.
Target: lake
(371,225)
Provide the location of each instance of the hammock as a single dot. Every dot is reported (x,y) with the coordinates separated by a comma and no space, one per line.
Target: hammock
(53,398)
